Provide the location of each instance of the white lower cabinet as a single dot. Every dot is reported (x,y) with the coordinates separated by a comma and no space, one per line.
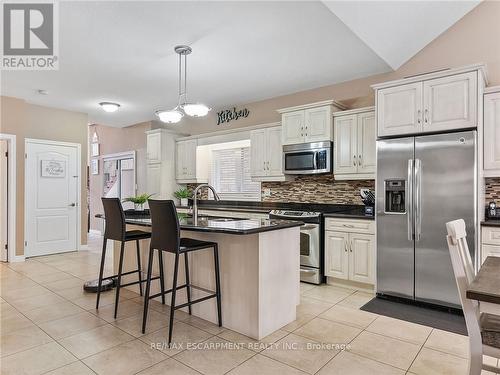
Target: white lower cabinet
(336,255)
(490,242)
(350,250)
(361,251)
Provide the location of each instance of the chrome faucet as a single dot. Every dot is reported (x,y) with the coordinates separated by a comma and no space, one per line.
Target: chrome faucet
(195,199)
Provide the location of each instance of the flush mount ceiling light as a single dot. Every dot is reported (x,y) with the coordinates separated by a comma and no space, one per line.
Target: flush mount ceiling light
(109,106)
(183,107)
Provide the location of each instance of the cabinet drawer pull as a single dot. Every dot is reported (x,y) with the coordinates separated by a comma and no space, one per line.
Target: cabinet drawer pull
(426,116)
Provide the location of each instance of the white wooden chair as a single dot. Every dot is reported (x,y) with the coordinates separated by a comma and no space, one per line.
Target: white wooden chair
(483,329)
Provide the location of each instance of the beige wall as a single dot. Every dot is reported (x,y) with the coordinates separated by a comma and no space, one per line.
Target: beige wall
(26,120)
(473,39)
(112,141)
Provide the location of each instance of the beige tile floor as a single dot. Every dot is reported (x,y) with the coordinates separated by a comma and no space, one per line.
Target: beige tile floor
(49,326)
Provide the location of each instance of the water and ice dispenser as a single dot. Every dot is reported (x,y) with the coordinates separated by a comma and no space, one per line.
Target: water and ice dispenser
(395,196)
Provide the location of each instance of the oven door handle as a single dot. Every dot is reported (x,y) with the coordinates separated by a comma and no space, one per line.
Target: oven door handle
(303,270)
(308,227)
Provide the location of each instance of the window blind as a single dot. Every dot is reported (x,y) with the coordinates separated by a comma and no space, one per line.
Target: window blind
(230,174)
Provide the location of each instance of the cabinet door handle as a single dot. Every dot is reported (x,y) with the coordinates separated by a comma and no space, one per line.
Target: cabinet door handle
(268,166)
(264,164)
(354,161)
(359,160)
(426,116)
(345,247)
(350,246)
(419,116)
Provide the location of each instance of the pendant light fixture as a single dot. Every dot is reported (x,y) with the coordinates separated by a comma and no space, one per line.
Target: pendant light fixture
(183,106)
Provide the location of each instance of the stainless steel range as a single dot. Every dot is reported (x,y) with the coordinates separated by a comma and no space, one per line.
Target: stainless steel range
(311,250)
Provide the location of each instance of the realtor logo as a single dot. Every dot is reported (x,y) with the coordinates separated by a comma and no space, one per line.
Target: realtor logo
(29,36)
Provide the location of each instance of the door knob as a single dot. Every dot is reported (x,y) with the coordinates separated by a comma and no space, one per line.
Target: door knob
(72,205)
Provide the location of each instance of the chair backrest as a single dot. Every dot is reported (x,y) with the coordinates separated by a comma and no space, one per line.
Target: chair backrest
(165,228)
(464,274)
(115,219)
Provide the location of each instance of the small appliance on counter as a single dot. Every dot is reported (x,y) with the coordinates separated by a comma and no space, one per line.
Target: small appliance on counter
(369,201)
(493,212)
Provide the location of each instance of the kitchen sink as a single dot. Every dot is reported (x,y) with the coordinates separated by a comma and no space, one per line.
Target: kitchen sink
(223,219)
(220,219)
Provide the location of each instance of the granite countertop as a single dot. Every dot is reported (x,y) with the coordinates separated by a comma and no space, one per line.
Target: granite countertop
(223,225)
(354,213)
(491,223)
(329,210)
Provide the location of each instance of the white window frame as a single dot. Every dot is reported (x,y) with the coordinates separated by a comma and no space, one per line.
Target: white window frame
(254,197)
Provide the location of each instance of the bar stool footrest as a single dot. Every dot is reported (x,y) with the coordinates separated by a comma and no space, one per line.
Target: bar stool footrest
(195,301)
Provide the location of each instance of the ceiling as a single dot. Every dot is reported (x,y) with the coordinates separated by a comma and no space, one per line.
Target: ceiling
(242,51)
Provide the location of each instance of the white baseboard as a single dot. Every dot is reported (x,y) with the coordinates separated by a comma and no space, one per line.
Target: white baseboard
(84,247)
(17,258)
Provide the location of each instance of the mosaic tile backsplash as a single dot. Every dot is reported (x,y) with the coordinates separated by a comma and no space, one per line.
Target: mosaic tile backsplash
(317,189)
(312,189)
(492,190)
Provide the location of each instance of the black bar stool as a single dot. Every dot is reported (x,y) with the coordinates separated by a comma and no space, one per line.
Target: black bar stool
(115,230)
(165,236)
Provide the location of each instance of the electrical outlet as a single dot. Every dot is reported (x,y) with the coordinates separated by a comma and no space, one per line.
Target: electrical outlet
(266,192)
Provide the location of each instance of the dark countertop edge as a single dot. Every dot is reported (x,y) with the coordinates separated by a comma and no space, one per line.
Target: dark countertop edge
(284,225)
(490,223)
(346,215)
(232,209)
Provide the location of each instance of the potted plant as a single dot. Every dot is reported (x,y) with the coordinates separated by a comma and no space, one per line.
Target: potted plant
(138,201)
(183,195)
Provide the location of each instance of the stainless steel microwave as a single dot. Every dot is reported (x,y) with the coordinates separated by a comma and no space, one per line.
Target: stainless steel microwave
(307,158)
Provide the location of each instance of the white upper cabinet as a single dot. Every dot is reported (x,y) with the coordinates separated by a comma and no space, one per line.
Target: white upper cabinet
(491,143)
(399,109)
(432,102)
(258,153)
(308,123)
(354,144)
(160,169)
(293,127)
(274,152)
(266,154)
(367,143)
(450,102)
(318,124)
(154,147)
(186,167)
(345,146)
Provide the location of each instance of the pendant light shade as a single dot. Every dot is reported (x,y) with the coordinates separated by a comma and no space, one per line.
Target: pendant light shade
(183,107)
(170,117)
(195,109)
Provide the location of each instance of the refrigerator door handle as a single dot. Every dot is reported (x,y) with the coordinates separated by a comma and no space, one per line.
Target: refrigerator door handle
(418,198)
(409,201)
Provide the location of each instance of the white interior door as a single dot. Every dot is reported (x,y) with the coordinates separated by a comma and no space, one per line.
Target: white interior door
(51,198)
(4,199)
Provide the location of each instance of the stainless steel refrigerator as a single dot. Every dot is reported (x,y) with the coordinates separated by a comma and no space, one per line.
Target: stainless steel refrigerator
(422,183)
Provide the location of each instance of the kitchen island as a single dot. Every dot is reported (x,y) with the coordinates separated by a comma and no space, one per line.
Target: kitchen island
(259,270)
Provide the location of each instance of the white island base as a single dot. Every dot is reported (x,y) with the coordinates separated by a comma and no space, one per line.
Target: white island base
(260,277)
